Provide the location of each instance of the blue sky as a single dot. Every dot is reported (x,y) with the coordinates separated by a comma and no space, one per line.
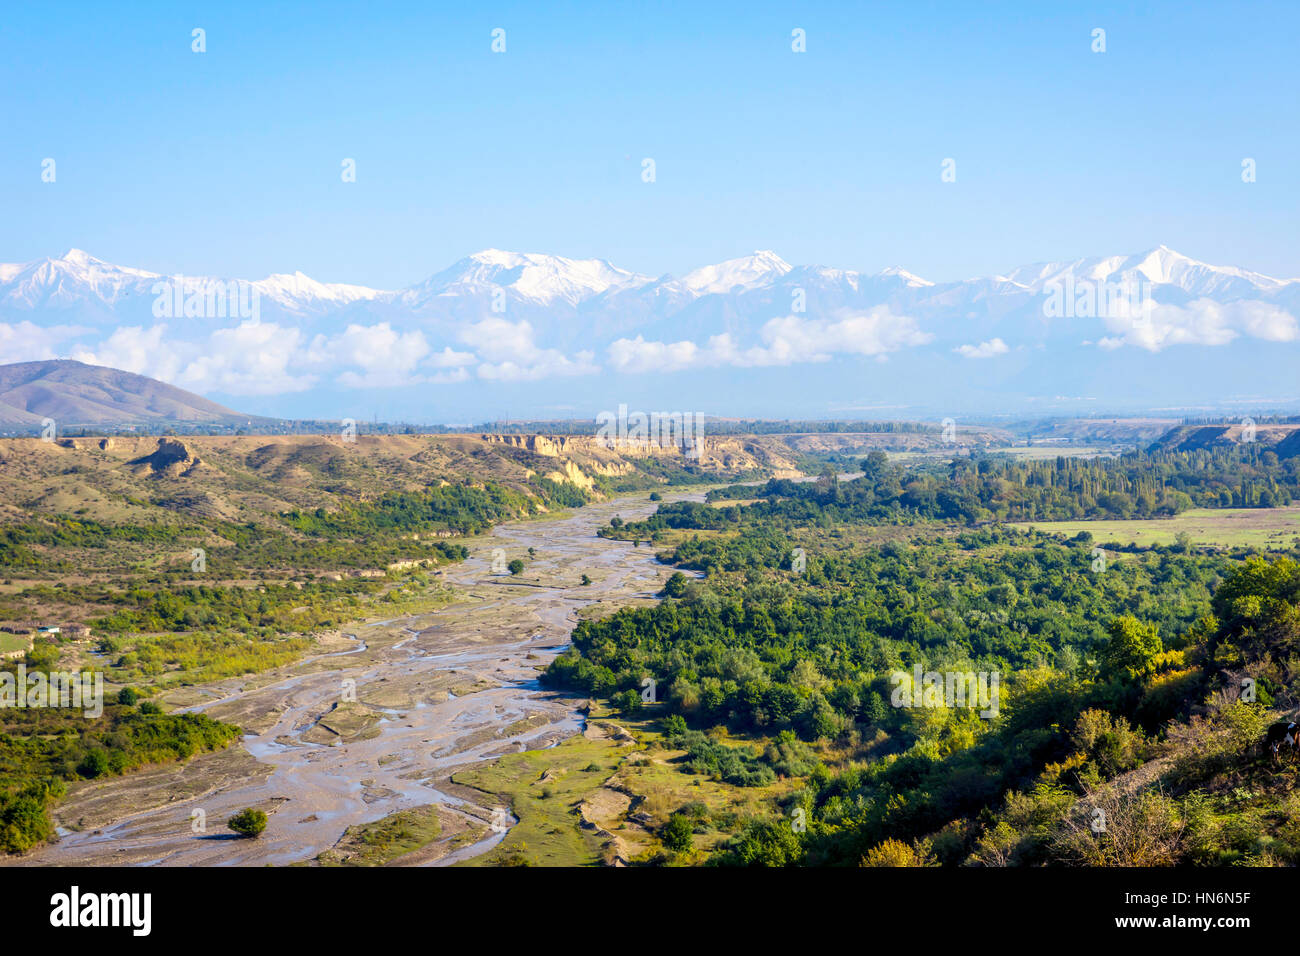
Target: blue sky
(228,162)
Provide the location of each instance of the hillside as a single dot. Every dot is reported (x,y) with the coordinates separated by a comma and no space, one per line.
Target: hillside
(255,478)
(73,393)
(1281,439)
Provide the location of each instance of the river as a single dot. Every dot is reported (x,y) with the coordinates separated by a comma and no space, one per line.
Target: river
(445,685)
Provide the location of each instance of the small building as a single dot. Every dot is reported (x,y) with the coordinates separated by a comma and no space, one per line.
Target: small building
(49,629)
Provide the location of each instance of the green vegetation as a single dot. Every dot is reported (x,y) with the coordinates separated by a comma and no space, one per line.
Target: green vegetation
(982,489)
(381,842)
(461,509)
(42,748)
(761,648)
(1257,528)
(541,789)
(249,822)
(227,567)
(678,833)
(1120,680)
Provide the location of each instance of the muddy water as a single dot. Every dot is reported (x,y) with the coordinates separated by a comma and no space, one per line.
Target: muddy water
(485,649)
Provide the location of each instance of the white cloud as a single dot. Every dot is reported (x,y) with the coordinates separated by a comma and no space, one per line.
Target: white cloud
(510,353)
(27,342)
(1201,322)
(789,340)
(262,358)
(450,358)
(248,359)
(638,355)
(984,350)
(378,356)
(252,358)
(133,348)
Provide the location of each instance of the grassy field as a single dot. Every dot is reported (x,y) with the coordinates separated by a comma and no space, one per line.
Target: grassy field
(1260,528)
(543,789)
(944,452)
(13,642)
(1039,452)
(591,800)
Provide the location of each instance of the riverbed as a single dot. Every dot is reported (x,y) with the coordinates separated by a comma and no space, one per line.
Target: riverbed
(377,723)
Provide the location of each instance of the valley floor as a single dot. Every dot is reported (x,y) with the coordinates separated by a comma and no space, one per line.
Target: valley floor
(1263,529)
(377,727)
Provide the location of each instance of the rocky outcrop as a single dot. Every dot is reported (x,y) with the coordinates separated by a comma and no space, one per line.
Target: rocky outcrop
(596,455)
(171,459)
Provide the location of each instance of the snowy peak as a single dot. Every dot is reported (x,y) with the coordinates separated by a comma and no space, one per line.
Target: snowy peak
(79,284)
(1165,266)
(898,272)
(65,282)
(733,275)
(298,291)
(1159,266)
(539,278)
(79,280)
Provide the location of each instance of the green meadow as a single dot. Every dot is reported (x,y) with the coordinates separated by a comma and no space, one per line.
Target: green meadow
(1261,528)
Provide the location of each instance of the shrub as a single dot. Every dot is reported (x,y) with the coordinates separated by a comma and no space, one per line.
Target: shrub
(674,725)
(628,701)
(248,822)
(677,833)
(94,764)
(897,853)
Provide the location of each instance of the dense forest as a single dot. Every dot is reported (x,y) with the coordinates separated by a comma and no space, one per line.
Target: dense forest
(983,489)
(1109,670)
(813,651)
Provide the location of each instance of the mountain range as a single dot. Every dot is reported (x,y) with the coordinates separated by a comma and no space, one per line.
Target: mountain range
(1153,329)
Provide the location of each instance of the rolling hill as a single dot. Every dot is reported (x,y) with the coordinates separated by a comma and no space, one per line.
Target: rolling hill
(73,393)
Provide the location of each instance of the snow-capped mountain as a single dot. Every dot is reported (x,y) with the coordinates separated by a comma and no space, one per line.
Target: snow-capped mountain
(73,279)
(759,287)
(537,279)
(505,317)
(80,287)
(736,275)
(304,295)
(1160,266)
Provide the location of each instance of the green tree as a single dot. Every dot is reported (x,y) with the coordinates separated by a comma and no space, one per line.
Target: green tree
(675,586)
(1131,650)
(677,833)
(628,701)
(94,764)
(674,725)
(515,567)
(248,822)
